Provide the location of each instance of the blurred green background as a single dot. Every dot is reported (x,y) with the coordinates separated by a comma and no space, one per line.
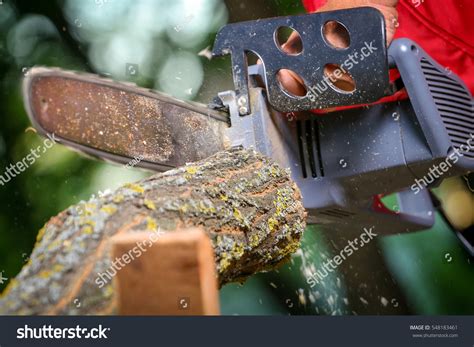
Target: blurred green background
(165,45)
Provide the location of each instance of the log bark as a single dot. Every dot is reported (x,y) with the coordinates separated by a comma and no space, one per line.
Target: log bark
(246,203)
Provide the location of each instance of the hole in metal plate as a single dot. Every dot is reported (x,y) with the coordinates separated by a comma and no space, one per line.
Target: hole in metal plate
(336,35)
(339,79)
(291,83)
(288,40)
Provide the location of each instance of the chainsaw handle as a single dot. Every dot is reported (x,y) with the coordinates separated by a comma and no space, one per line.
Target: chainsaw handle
(416,212)
(416,207)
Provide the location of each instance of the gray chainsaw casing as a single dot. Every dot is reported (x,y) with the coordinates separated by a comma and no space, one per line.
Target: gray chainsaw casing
(341,160)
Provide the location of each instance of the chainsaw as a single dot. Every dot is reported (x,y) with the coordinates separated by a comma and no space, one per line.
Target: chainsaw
(343,161)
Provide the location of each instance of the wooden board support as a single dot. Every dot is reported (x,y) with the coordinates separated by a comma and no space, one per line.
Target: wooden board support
(175,275)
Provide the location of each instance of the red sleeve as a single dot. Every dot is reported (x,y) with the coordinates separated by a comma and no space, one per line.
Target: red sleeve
(444,30)
(313,5)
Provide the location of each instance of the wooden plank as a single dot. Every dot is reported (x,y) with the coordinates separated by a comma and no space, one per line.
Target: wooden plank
(175,275)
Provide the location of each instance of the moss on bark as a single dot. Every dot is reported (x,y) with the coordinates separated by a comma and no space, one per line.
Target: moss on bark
(246,203)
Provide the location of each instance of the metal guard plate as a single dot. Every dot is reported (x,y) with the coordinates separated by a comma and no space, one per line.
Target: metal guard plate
(370,73)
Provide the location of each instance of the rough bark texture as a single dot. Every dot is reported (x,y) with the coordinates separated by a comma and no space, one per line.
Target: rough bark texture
(247,204)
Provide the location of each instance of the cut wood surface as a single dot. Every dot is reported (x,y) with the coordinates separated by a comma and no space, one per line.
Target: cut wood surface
(175,276)
(246,203)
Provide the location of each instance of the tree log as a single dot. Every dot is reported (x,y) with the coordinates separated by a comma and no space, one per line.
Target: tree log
(246,203)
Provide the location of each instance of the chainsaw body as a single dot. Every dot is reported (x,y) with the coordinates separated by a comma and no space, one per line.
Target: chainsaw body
(344,161)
